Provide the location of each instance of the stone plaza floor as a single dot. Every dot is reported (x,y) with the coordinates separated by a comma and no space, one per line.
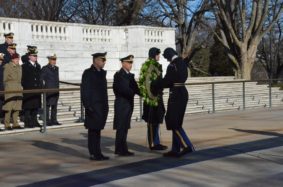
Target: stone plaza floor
(240,148)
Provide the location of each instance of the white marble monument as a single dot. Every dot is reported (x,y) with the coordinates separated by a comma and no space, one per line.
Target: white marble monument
(74,43)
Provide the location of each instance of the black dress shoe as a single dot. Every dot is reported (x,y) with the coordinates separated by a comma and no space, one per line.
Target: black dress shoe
(48,123)
(104,157)
(126,153)
(98,157)
(186,151)
(171,154)
(159,147)
(92,157)
(56,123)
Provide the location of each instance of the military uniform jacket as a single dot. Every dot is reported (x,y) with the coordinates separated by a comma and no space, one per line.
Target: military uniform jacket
(3,49)
(125,88)
(25,58)
(12,81)
(94,98)
(31,80)
(177,72)
(50,79)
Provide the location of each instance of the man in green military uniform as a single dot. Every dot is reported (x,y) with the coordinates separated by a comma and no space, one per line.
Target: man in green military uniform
(13,101)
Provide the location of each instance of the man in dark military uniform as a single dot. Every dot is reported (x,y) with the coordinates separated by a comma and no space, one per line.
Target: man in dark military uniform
(9,37)
(177,72)
(50,79)
(11,50)
(25,57)
(31,80)
(125,87)
(95,100)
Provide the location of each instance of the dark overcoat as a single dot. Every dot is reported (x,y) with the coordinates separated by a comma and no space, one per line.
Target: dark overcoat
(31,80)
(177,72)
(94,98)
(125,87)
(25,58)
(3,49)
(50,79)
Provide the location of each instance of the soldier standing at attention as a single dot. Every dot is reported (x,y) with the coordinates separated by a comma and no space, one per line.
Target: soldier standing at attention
(25,57)
(13,101)
(50,79)
(125,87)
(31,80)
(177,72)
(95,100)
(9,38)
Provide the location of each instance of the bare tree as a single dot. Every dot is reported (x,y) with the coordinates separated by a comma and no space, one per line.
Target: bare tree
(50,10)
(270,51)
(110,12)
(96,11)
(187,17)
(127,12)
(242,24)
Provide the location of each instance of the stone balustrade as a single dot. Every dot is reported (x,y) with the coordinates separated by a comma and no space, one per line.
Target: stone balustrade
(74,43)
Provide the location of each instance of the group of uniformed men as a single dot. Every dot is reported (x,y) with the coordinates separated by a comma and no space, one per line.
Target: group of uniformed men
(28,76)
(94,97)
(95,100)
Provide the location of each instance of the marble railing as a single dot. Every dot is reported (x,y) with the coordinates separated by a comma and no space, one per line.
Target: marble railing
(74,43)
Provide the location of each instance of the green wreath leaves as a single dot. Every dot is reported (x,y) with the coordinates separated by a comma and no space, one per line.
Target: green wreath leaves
(150,71)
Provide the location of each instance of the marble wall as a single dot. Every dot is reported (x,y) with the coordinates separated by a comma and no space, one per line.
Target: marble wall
(74,43)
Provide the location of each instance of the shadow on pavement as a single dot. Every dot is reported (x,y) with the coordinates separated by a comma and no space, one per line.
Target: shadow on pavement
(157,164)
(106,144)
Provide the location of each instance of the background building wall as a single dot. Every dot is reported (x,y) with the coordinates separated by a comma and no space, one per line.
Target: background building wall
(74,43)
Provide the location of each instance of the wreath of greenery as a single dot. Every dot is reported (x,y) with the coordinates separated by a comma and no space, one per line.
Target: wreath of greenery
(150,71)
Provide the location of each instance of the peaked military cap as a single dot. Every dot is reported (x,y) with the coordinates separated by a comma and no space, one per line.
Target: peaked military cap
(31,48)
(129,58)
(9,35)
(32,52)
(12,46)
(99,55)
(2,56)
(52,57)
(169,53)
